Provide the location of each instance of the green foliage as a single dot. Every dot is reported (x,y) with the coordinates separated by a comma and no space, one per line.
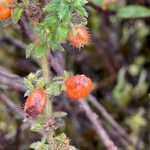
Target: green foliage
(54,122)
(136,121)
(122,92)
(61,137)
(16,14)
(40,145)
(141,87)
(29,50)
(55,27)
(63,142)
(34,81)
(37,50)
(38,124)
(133,11)
(57,21)
(56,86)
(40,50)
(135,68)
(28,84)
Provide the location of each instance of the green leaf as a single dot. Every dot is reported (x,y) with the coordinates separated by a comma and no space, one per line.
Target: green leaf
(40,32)
(52,6)
(136,120)
(28,84)
(54,88)
(76,3)
(53,44)
(29,49)
(40,82)
(122,92)
(39,145)
(133,11)
(16,14)
(63,10)
(81,11)
(123,95)
(61,33)
(61,137)
(38,124)
(67,18)
(40,50)
(61,48)
(51,20)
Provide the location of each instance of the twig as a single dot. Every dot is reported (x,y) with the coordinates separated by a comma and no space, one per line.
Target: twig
(11,105)
(15,41)
(27,30)
(18,132)
(98,126)
(11,81)
(108,117)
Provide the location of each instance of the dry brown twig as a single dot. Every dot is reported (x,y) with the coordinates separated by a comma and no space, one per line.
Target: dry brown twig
(109,118)
(98,126)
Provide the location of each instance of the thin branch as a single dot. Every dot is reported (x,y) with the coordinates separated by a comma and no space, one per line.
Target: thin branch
(15,41)
(11,105)
(18,134)
(108,117)
(10,81)
(98,126)
(26,28)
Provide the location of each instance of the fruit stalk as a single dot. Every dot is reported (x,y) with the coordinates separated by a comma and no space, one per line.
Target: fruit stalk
(49,110)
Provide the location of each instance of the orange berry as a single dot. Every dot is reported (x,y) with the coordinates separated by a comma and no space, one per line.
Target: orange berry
(35,102)
(80,38)
(78,86)
(5,11)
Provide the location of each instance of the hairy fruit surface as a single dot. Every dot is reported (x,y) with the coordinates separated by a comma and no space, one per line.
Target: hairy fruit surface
(78,86)
(79,37)
(5,11)
(35,102)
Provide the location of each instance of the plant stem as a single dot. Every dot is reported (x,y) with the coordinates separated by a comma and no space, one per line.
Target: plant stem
(49,110)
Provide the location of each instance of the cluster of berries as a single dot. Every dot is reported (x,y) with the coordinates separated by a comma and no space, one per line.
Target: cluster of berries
(78,86)
(78,37)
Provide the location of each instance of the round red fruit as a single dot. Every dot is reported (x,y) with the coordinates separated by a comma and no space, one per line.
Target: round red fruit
(79,37)
(5,11)
(78,86)
(35,102)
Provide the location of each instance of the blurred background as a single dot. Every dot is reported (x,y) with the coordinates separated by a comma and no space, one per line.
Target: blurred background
(118,62)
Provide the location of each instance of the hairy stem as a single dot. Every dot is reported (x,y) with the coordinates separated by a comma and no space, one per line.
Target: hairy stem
(49,110)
